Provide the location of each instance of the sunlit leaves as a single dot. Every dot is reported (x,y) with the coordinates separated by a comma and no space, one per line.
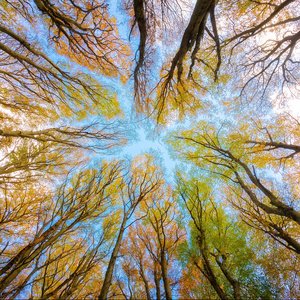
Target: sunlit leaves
(76,222)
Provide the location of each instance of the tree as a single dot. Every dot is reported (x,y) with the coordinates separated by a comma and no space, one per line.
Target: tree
(215,35)
(264,208)
(151,248)
(150,17)
(136,188)
(81,217)
(137,266)
(86,198)
(218,246)
(39,91)
(168,235)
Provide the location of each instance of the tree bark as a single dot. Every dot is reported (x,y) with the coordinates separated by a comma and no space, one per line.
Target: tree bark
(146,284)
(157,282)
(234,283)
(192,31)
(164,273)
(111,265)
(207,268)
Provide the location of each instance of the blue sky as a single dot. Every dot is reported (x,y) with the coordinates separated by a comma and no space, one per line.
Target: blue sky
(140,131)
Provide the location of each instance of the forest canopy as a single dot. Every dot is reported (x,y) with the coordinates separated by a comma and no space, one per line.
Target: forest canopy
(150,149)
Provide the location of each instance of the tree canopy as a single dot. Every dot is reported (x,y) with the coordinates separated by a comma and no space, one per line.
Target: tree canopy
(205,205)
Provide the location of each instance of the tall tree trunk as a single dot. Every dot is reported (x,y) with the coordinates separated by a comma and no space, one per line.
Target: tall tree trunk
(157,282)
(192,33)
(146,284)
(234,283)
(111,265)
(210,275)
(207,270)
(164,273)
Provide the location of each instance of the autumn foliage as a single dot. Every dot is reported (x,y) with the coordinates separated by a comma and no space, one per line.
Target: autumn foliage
(86,212)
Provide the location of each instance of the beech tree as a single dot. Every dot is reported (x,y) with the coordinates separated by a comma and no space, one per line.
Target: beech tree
(218,250)
(149,149)
(86,198)
(137,266)
(151,249)
(206,49)
(145,180)
(264,207)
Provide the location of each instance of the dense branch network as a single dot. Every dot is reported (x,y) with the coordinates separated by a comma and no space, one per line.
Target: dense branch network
(79,222)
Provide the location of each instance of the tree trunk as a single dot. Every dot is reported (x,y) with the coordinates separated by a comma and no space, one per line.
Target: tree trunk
(234,283)
(111,265)
(157,282)
(146,284)
(207,268)
(212,278)
(164,273)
